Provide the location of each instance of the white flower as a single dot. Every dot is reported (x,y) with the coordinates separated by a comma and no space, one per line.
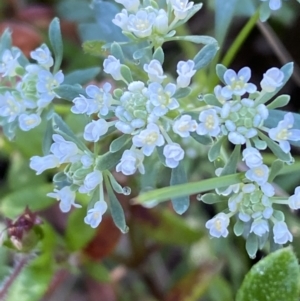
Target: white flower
(95,129)
(91,181)
(131,161)
(161,22)
(184,125)
(162,98)
(272,80)
(209,123)
(258,174)
(43,56)
(148,139)
(121,19)
(100,97)
(40,164)
(173,154)
(294,200)
(94,215)
(236,138)
(237,84)
(65,151)
(155,71)
(218,94)
(130,5)
(82,105)
(284,132)
(281,233)
(274,4)
(28,122)
(244,217)
(86,161)
(218,225)
(234,200)
(46,85)
(181,8)
(132,113)
(185,71)
(267,189)
(259,227)
(268,212)
(9,63)
(10,107)
(252,157)
(66,197)
(112,66)
(141,23)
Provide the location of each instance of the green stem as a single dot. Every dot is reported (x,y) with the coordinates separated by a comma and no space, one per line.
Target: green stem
(238,42)
(244,33)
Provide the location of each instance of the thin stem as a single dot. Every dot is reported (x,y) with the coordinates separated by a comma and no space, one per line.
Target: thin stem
(238,42)
(244,33)
(8,283)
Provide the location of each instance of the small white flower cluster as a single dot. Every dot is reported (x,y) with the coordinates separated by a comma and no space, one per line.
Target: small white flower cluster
(252,204)
(242,118)
(33,89)
(138,21)
(80,174)
(141,112)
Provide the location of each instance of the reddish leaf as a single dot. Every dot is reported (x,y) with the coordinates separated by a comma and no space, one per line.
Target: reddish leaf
(193,285)
(164,226)
(24,35)
(38,15)
(105,240)
(100,291)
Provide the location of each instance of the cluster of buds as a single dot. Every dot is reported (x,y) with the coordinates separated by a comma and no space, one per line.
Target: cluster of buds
(24,233)
(27,89)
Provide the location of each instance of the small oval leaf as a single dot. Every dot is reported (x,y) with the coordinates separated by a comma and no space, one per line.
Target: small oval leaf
(276,277)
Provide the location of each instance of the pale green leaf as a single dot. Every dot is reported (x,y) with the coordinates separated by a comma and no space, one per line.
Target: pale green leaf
(275,169)
(159,55)
(215,150)
(94,47)
(205,56)
(182,92)
(60,127)
(119,142)
(126,73)
(82,76)
(211,198)
(279,102)
(116,209)
(117,51)
(69,92)
(56,42)
(110,160)
(178,176)
(166,193)
(275,277)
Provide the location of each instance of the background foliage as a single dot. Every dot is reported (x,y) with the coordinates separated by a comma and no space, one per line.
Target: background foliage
(164,256)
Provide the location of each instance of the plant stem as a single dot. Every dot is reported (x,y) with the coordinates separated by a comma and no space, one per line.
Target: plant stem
(234,48)
(12,277)
(240,39)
